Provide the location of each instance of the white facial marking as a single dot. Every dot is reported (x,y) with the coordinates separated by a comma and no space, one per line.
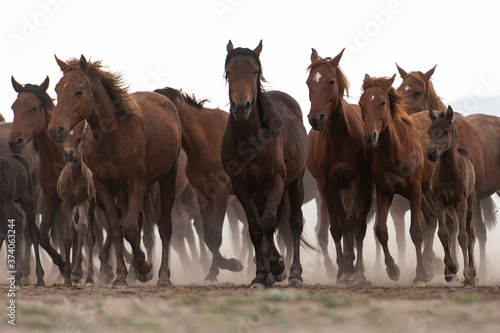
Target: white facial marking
(317,77)
(407,88)
(373,97)
(71,132)
(65,85)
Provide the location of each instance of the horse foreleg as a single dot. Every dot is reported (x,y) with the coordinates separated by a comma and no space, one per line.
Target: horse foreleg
(67,220)
(296,198)
(481,233)
(365,203)
(49,210)
(323,235)
(383,203)
(91,239)
(429,226)
(416,234)
(444,237)
(398,210)
(470,274)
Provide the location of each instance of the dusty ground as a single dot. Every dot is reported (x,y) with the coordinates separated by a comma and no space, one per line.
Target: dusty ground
(235,308)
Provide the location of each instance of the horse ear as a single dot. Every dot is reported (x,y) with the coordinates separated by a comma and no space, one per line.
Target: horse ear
(314,55)
(432,115)
(258,49)
(62,64)
(17,86)
(449,113)
(428,75)
(83,63)
(401,71)
(229,46)
(45,85)
(336,60)
(390,81)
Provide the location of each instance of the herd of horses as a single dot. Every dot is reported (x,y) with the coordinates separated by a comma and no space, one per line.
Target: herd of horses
(104,165)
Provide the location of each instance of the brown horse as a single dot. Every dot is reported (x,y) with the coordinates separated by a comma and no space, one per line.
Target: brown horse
(76,190)
(136,141)
(399,165)
(452,184)
(17,186)
(32,113)
(476,133)
(338,166)
(202,131)
(264,150)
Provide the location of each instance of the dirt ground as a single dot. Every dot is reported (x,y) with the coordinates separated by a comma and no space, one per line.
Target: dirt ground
(228,307)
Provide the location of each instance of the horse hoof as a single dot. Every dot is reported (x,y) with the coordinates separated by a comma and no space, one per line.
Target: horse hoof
(419,284)
(234,265)
(350,277)
(393,272)
(40,283)
(428,277)
(76,277)
(295,283)
(278,267)
(164,283)
(468,286)
(119,284)
(448,278)
(24,281)
(257,286)
(144,277)
(144,268)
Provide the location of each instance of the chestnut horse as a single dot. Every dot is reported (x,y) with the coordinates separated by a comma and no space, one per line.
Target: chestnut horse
(452,185)
(202,131)
(476,132)
(399,165)
(32,113)
(264,150)
(136,141)
(338,166)
(77,192)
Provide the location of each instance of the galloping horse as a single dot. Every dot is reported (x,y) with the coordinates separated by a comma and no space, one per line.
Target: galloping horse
(32,113)
(399,165)
(202,131)
(264,150)
(452,185)
(476,133)
(136,141)
(338,160)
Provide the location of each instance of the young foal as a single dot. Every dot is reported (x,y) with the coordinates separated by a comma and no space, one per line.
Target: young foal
(76,190)
(264,150)
(453,186)
(16,186)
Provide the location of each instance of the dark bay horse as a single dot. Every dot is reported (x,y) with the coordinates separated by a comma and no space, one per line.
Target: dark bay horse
(202,132)
(77,193)
(476,133)
(264,150)
(136,141)
(399,165)
(338,160)
(452,185)
(32,113)
(16,186)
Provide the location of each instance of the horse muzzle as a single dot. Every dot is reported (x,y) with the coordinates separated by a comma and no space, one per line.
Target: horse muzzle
(370,139)
(317,121)
(240,110)
(17,145)
(432,154)
(58,134)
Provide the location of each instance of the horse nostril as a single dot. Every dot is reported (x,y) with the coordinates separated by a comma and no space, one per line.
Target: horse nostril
(19,142)
(374,136)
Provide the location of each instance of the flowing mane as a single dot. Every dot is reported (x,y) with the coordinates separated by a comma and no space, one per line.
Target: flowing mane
(265,112)
(342,80)
(396,101)
(172,93)
(433,100)
(113,83)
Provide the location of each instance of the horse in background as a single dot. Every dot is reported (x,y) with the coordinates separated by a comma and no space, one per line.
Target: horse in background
(453,188)
(77,192)
(338,166)
(136,141)
(476,132)
(264,150)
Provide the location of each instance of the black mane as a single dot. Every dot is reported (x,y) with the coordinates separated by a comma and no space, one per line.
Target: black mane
(172,93)
(46,100)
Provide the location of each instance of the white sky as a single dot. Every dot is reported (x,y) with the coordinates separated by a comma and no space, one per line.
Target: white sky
(183,43)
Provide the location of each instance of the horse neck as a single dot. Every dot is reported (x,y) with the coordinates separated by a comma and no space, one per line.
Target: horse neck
(103,112)
(448,160)
(433,101)
(48,150)
(338,126)
(190,116)
(243,130)
(392,136)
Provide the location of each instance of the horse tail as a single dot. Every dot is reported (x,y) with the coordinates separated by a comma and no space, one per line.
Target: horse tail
(489,212)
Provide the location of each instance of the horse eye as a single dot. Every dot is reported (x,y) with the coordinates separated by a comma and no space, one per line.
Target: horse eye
(79,140)
(256,72)
(79,93)
(332,82)
(34,109)
(383,103)
(417,93)
(445,132)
